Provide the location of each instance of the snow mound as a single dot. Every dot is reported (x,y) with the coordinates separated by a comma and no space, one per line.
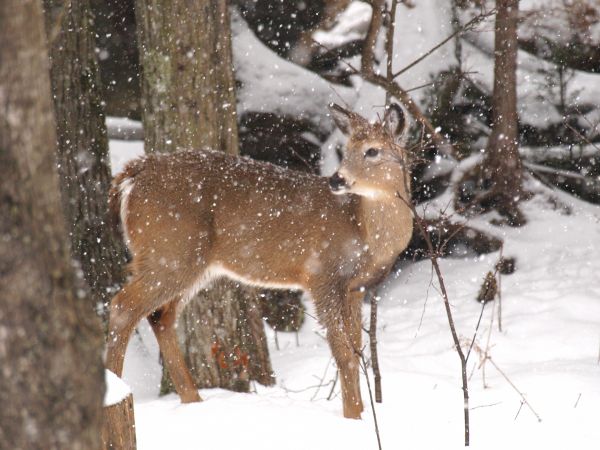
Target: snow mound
(116,389)
(272,84)
(351,25)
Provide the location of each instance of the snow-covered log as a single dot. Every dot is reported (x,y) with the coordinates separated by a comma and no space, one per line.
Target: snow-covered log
(118,428)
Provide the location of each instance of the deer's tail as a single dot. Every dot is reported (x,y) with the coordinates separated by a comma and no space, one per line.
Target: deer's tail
(118,195)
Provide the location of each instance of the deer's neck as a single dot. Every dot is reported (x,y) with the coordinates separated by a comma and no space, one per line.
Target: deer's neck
(386,225)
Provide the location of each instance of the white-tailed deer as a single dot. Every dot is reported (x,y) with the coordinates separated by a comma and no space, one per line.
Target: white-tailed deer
(190,217)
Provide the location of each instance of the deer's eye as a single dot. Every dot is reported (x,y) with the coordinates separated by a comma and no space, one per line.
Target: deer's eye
(371,153)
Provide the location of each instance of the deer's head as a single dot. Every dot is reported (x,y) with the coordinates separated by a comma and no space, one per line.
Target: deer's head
(374,160)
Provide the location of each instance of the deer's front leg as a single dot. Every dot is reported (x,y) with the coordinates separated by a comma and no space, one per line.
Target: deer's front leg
(353,324)
(344,336)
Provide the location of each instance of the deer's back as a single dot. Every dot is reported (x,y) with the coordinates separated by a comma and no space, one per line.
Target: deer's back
(263,222)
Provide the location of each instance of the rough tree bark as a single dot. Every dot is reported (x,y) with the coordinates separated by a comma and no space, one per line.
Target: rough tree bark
(83,159)
(502,165)
(51,342)
(188,102)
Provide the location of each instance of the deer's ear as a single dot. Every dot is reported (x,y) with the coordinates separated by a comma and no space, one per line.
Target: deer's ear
(395,120)
(342,118)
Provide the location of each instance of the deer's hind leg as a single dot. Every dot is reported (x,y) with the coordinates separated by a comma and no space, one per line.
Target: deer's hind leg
(146,292)
(127,308)
(163,324)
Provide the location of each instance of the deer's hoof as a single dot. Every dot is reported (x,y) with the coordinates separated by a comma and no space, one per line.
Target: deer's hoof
(192,397)
(352,412)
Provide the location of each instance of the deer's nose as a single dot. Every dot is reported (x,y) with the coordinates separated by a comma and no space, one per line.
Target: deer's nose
(337,182)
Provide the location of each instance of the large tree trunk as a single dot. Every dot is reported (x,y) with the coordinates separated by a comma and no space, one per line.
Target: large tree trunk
(83,159)
(188,102)
(52,371)
(502,165)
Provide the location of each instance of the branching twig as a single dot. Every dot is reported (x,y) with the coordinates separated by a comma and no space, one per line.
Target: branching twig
(463,29)
(391,87)
(433,255)
(461,355)
(367,72)
(322,379)
(523,398)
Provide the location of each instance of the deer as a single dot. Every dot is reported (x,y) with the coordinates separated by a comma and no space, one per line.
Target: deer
(193,216)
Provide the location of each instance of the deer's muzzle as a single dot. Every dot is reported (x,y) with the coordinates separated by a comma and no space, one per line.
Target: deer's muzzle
(337,183)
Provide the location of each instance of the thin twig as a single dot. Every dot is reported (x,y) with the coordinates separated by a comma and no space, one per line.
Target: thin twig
(322,379)
(485,406)
(581,136)
(487,347)
(476,330)
(523,398)
(577,402)
(500,290)
(497,274)
(519,410)
(464,29)
(364,367)
(335,379)
(425,303)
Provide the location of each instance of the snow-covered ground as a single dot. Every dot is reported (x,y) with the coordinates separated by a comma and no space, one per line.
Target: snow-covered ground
(549,348)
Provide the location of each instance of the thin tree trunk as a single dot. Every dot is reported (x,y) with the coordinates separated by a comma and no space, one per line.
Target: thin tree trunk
(502,165)
(188,102)
(83,159)
(51,346)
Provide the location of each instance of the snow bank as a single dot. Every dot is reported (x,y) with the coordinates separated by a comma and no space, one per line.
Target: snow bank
(273,84)
(351,25)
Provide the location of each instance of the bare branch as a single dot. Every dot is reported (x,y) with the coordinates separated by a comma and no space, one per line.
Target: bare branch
(368,58)
(389,46)
(471,24)
(581,136)
(368,74)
